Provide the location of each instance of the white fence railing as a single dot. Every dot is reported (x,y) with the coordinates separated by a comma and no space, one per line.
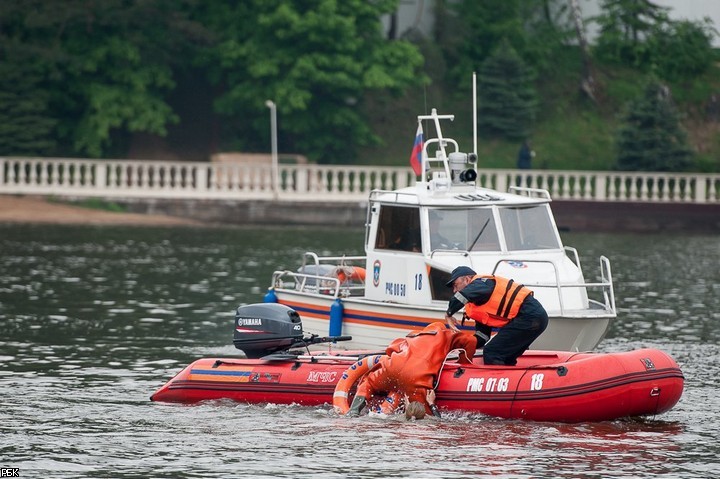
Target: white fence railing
(160,179)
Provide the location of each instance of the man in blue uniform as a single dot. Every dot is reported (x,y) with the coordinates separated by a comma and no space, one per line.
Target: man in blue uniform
(496,302)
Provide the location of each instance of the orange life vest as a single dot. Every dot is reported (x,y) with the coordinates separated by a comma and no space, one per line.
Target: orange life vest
(503,305)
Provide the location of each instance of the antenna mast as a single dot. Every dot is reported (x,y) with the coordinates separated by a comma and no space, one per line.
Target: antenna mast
(474,89)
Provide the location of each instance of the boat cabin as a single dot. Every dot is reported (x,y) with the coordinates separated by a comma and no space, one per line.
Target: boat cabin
(413,245)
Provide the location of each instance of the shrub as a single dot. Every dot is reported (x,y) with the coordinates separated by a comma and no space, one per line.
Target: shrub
(507,97)
(650,137)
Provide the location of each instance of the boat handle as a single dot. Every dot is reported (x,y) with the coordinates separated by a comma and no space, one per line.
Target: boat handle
(655,392)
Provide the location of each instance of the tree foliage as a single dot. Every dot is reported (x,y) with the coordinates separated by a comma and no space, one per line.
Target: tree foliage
(507,97)
(471,30)
(104,70)
(26,123)
(650,137)
(640,33)
(103,66)
(82,78)
(315,60)
(631,19)
(682,50)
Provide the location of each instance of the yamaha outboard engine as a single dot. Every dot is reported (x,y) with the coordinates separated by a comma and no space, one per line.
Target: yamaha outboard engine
(264,328)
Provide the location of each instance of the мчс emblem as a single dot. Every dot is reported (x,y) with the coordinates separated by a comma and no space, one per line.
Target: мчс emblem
(376,273)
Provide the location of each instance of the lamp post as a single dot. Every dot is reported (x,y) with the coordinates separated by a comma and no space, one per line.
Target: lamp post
(273,140)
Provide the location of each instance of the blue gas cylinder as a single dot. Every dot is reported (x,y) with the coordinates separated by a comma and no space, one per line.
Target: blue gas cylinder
(336,317)
(270,296)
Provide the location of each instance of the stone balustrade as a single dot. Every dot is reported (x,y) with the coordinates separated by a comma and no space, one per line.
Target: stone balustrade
(310,182)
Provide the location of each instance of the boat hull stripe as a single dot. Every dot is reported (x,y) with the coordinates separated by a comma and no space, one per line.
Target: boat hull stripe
(354,316)
(472,396)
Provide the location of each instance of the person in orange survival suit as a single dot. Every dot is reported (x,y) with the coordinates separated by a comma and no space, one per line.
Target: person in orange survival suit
(496,302)
(412,365)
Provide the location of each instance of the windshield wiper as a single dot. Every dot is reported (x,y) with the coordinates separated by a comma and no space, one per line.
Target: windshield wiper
(479,235)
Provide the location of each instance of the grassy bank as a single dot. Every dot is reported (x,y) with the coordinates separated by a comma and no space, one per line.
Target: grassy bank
(571,132)
(91,203)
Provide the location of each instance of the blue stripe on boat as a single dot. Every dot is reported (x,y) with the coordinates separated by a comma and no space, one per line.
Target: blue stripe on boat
(378,319)
(215,372)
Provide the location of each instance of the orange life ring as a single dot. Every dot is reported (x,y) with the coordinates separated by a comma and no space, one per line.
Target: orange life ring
(348,379)
(350,273)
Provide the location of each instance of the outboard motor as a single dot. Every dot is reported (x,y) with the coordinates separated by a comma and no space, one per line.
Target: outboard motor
(265,328)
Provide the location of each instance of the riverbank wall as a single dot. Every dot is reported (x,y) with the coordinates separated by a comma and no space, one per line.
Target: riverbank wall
(581,216)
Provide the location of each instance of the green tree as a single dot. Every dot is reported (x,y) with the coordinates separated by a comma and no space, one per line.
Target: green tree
(468,31)
(506,95)
(27,127)
(119,69)
(682,50)
(625,26)
(103,68)
(650,137)
(315,59)
(640,33)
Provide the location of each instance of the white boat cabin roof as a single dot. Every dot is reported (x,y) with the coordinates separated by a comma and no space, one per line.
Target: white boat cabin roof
(463,197)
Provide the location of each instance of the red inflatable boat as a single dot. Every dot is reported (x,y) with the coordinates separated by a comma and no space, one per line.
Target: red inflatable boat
(544,386)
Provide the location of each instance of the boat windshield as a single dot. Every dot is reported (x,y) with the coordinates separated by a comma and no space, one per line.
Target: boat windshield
(467,229)
(528,227)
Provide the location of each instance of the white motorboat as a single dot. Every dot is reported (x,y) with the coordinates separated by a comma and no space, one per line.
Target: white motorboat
(416,235)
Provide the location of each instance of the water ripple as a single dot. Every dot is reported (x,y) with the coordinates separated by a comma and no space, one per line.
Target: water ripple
(96,319)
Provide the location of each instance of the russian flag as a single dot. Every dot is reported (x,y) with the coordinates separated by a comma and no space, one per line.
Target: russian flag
(416,155)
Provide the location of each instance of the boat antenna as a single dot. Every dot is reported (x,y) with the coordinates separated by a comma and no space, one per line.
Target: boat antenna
(474,89)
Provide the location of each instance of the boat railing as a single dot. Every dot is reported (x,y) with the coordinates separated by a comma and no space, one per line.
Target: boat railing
(574,256)
(396,195)
(308,283)
(318,260)
(462,252)
(531,192)
(605,279)
(605,283)
(318,281)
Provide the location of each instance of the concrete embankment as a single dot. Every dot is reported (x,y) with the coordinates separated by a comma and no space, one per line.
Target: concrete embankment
(586,216)
(243,212)
(581,216)
(636,217)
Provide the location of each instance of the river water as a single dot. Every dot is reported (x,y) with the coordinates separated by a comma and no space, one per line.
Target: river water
(94,320)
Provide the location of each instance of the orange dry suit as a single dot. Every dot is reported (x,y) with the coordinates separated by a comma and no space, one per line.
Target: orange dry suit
(413,363)
(503,305)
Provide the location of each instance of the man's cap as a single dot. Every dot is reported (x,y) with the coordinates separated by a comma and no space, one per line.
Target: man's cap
(459,272)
